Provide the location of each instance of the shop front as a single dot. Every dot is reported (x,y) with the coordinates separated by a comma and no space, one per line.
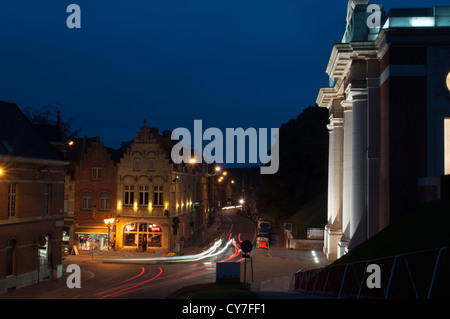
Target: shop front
(142,236)
(92,238)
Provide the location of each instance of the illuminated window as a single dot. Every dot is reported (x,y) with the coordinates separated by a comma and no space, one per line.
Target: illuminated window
(157,196)
(143,195)
(129,195)
(448,81)
(134,234)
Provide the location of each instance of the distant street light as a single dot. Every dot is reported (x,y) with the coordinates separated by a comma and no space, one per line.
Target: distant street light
(241,201)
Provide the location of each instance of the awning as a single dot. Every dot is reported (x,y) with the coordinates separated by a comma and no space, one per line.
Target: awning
(92,230)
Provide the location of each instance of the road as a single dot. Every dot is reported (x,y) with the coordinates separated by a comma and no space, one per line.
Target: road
(144,279)
(148,279)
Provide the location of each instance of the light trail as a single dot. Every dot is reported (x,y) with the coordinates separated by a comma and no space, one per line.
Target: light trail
(132,286)
(211,252)
(182,274)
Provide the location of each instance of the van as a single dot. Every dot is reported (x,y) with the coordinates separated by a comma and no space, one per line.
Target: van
(263,226)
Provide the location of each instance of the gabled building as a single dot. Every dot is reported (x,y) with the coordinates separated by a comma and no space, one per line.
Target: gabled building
(155,197)
(90,194)
(389,106)
(31,202)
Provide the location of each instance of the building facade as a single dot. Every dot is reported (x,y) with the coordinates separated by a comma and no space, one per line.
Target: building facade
(31,203)
(90,194)
(155,198)
(389,103)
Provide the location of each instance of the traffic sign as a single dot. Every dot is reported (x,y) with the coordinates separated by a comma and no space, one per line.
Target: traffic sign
(246,246)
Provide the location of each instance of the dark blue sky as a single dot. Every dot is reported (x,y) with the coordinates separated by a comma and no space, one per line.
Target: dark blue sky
(230,63)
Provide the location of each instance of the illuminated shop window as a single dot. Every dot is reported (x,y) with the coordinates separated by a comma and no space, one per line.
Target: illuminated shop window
(447,145)
(135,233)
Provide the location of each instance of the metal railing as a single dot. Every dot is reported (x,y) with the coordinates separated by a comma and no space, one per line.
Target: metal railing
(420,275)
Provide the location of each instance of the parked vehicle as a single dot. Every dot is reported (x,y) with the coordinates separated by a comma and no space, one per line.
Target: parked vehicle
(264,226)
(262,240)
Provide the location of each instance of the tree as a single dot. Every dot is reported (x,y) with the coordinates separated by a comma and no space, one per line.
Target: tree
(303,171)
(49,115)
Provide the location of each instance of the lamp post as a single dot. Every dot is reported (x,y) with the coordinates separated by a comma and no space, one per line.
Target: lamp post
(109,222)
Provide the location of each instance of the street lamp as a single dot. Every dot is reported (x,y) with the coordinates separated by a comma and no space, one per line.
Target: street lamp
(109,222)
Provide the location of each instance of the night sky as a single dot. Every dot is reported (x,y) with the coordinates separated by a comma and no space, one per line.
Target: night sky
(230,63)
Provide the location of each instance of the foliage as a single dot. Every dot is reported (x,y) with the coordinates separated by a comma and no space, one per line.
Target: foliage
(303,169)
(48,115)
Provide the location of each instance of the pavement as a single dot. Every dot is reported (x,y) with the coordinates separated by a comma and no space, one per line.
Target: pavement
(273,268)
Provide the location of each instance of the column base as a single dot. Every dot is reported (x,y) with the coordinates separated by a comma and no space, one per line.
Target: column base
(331,247)
(343,246)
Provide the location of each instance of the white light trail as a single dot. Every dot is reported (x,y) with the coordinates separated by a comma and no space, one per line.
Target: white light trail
(210,252)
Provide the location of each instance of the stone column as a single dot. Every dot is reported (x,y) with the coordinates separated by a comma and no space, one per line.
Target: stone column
(333,230)
(358,212)
(326,241)
(346,176)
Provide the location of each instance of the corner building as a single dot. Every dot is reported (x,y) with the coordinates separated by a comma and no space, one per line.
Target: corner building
(389,107)
(155,198)
(31,203)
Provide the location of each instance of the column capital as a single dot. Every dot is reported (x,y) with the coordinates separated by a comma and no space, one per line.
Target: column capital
(347,105)
(337,121)
(356,91)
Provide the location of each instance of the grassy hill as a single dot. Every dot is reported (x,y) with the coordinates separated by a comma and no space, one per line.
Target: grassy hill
(423,229)
(313,214)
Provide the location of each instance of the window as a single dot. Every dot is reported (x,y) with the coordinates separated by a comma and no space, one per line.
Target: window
(448,81)
(136,164)
(86,203)
(151,164)
(46,199)
(104,201)
(44,251)
(97,172)
(158,196)
(66,205)
(10,257)
(134,234)
(143,195)
(12,200)
(129,195)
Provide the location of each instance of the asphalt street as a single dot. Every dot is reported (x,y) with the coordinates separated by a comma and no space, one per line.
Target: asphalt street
(120,275)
